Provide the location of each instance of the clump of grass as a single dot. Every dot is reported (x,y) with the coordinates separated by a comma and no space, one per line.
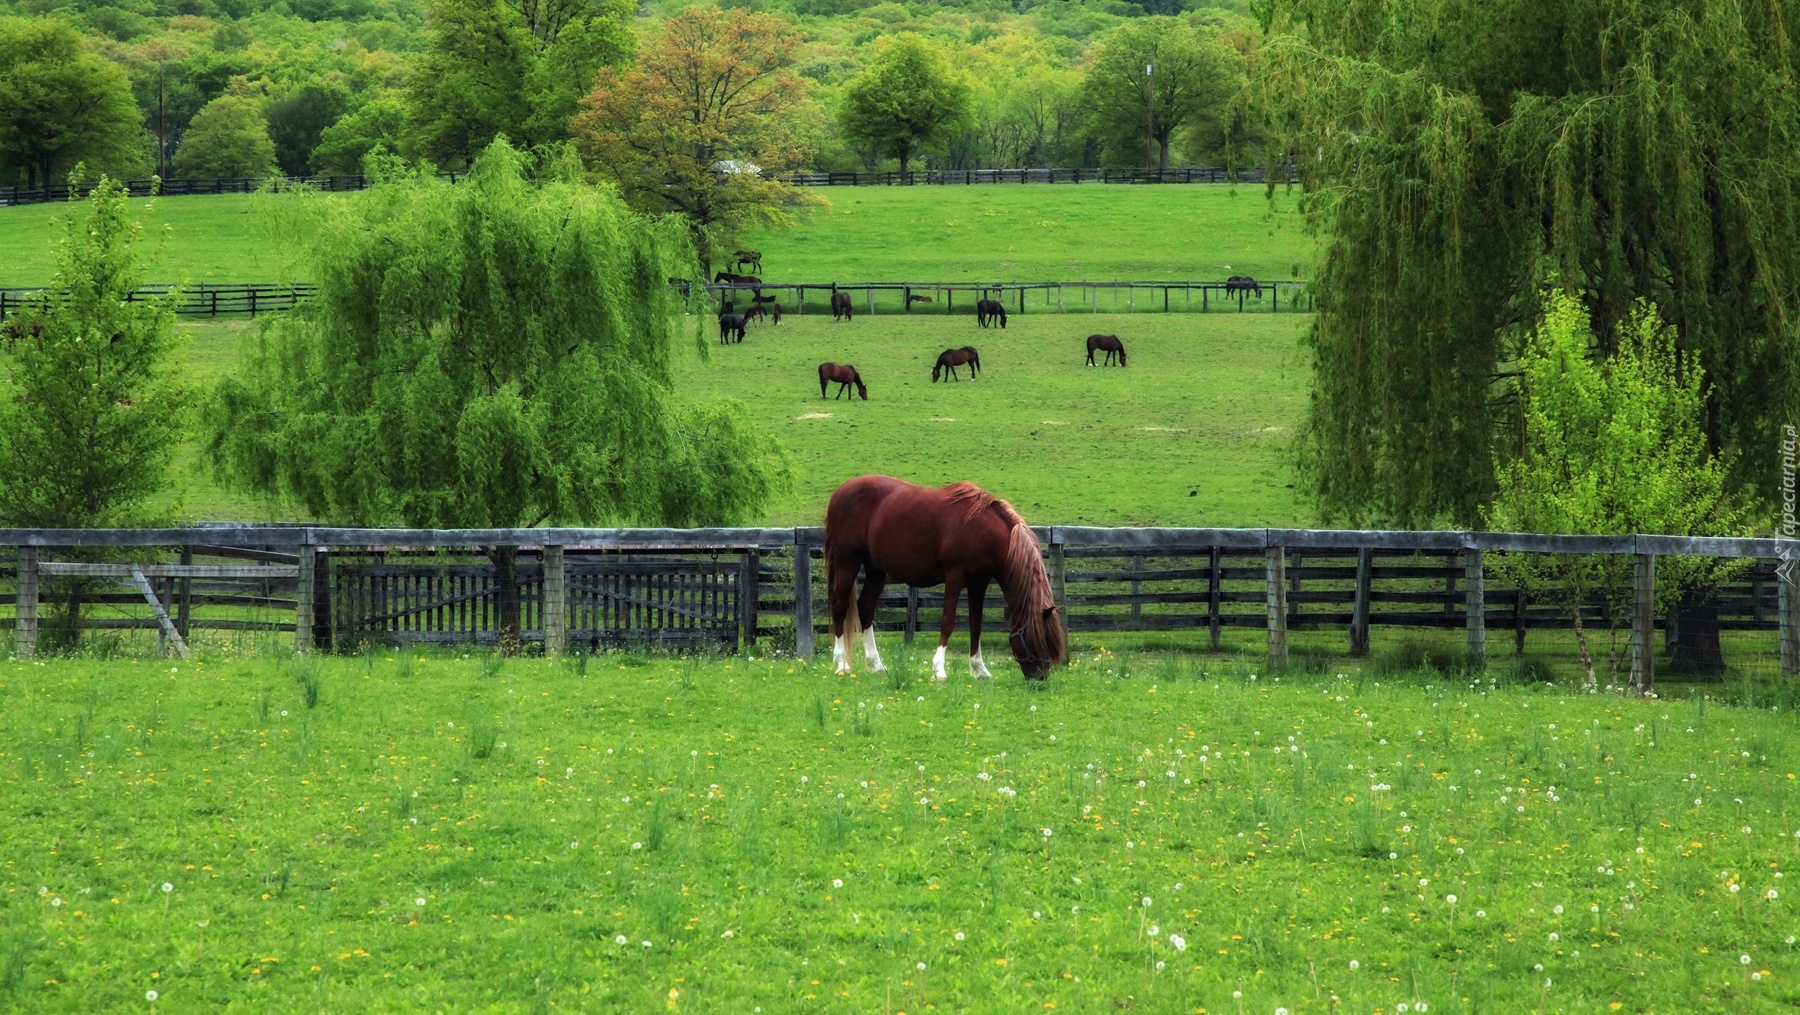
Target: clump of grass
(16,946)
(403,664)
(818,711)
(491,664)
(263,703)
(577,662)
(655,827)
(305,671)
(860,723)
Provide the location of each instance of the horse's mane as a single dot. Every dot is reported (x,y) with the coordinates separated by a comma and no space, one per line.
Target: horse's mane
(1022,577)
(976,500)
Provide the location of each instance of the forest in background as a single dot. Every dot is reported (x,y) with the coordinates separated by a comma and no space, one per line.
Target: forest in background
(298,87)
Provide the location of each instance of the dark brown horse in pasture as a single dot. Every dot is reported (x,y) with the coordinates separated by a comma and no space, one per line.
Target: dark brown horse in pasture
(1108,344)
(990,310)
(729,278)
(843,375)
(960,536)
(751,259)
(916,298)
(950,359)
(1243,284)
(763,311)
(840,304)
(731,325)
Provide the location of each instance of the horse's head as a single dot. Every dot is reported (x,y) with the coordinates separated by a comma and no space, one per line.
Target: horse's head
(860,389)
(936,370)
(1038,643)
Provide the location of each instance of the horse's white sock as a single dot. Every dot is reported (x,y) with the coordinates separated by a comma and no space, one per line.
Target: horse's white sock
(977,668)
(870,653)
(937,665)
(840,653)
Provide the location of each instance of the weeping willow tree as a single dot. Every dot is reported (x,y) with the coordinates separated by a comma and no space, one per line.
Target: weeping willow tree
(494,353)
(1459,157)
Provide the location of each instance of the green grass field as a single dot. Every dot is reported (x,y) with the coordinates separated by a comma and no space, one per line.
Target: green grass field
(1035,233)
(409,833)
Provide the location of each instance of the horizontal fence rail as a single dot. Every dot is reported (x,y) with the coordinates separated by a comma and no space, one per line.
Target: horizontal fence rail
(589,589)
(922,177)
(204,299)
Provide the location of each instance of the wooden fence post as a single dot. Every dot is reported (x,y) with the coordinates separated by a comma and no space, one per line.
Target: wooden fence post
(1277,597)
(1787,574)
(184,600)
(303,603)
(1059,583)
(912,613)
(1643,623)
(1475,608)
(1137,587)
(1213,581)
(803,602)
(25,626)
(1359,612)
(556,600)
(749,585)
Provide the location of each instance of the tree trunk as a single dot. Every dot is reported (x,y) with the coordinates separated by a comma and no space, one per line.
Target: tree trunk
(1697,649)
(1163,161)
(506,596)
(905,157)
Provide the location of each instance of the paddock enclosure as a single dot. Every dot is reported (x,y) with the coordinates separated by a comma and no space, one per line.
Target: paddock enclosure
(731,589)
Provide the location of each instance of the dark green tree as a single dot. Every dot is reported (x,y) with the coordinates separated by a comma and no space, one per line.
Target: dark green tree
(907,101)
(297,120)
(1458,156)
(491,353)
(61,104)
(1195,78)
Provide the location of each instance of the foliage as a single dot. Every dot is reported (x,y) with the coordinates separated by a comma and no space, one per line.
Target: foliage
(708,107)
(1611,446)
(297,120)
(1027,109)
(908,100)
(494,353)
(1634,151)
(91,414)
(1196,77)
(63,105)
(345,144)
(228,137)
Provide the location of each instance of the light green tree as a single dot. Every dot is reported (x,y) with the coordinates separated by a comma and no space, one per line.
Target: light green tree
(1610,445)
(228,137)
(907,101)
(91,413)
(492,353)
(343,145)
(61,104)
(1195,77)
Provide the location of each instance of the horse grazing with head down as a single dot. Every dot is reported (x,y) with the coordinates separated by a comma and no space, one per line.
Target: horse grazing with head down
(1108,344)
(960,536)
(731,325)
(950,359)
(763,311)
(730,279)
(990,310)
(843,375)
(1243,284)
(840,304)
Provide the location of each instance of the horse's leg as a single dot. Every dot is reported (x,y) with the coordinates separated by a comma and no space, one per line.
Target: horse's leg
(953,583)
(977,595)
(865,607)
(841,597)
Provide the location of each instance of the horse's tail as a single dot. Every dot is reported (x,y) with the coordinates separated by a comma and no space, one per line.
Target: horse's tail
(1029,597)
(975,357)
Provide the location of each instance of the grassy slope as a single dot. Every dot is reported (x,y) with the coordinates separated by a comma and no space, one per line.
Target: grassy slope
(710,810)
(1194,432)
(923,233)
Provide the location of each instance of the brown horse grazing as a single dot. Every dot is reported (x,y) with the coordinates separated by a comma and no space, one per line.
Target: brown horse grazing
(726,276)
(960,536)
(751,259)
(990,310)
(1243,284)
(840,304)
(1108,344)
(950,359)
(769,311)
(731,325)
(916,298)
(843,375)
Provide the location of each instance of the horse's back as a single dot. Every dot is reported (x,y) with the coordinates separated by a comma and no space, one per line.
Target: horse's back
(916,533)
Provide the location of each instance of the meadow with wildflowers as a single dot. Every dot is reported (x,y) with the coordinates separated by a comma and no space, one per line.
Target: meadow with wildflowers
(1149,832)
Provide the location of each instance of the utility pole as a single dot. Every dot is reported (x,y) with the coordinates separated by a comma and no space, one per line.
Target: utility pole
(162,138)
(1150,117)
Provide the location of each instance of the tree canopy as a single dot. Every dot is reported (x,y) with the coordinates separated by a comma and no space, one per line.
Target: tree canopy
(1641,150)
(1195,77)
(228,137)
(61,103)
(909,99)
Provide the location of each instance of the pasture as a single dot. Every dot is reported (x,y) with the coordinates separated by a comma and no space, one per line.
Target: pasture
(1149,832)
(1089,232)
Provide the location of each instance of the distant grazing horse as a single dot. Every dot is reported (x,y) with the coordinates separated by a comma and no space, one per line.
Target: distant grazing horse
(1108,344)
(730,325)
(751,259)
(840,304)
(843,375)
(961,536)
(950,359)
(764,311)
(743,280)
(989,310)
(1243,284)
(916,298)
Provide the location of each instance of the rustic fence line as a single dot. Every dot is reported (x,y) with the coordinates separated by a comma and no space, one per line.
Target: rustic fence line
(921,177)
(588,589)
(201,298)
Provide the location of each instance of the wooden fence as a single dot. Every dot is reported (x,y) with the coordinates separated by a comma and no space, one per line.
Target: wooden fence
(199,299)
(587,589)
(923,177)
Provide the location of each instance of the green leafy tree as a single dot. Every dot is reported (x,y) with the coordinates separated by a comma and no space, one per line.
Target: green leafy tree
(228,137)
(342,146)
(297,120)
(91,414)
(1634,150)
(1611,446)
(908,100)
(493,353)
(61,104)
(1195,77)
